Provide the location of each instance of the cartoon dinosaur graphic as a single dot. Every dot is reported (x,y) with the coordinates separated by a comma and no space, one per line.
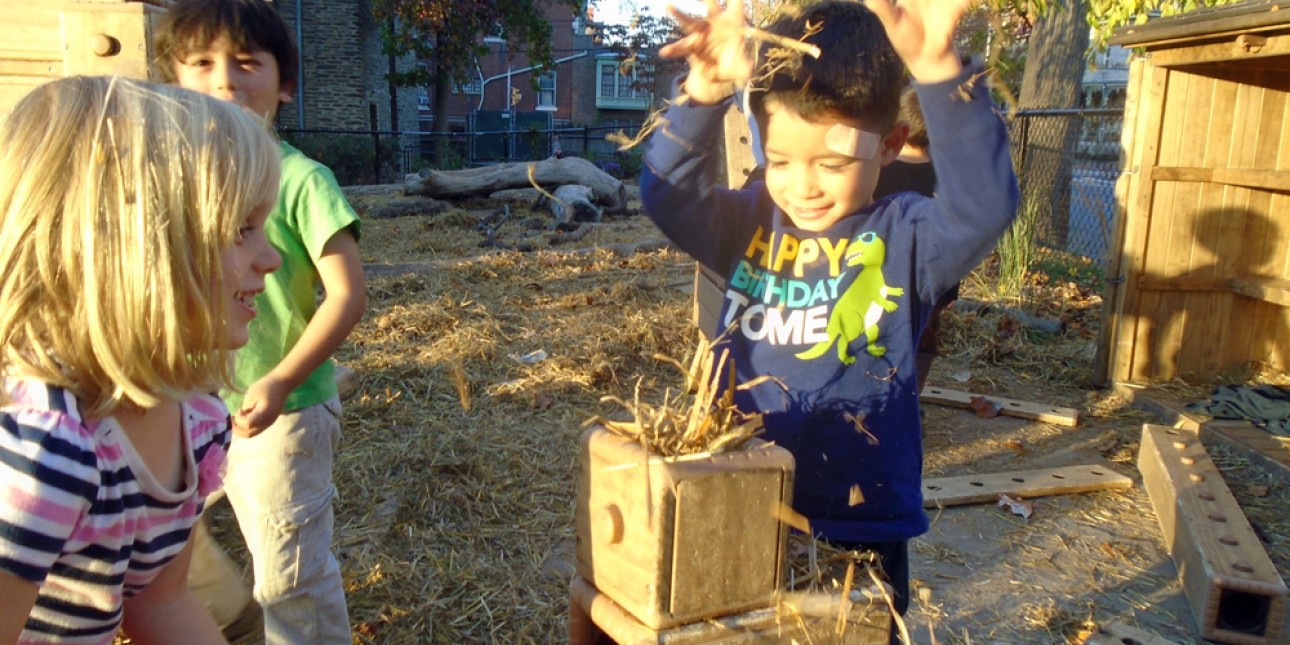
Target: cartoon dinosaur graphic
(860,307)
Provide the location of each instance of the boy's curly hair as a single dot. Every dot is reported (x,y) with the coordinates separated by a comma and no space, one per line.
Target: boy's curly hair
(858,75)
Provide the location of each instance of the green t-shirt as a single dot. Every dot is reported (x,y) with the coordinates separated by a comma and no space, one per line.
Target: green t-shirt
(311,209)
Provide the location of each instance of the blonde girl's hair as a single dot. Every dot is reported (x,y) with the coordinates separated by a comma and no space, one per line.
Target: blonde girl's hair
(118,197)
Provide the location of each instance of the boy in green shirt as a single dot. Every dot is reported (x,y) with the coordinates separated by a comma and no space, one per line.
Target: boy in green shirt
(287,416)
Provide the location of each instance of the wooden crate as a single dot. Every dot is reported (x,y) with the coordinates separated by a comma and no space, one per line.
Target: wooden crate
(41,41)
(677,540)
(1199,271)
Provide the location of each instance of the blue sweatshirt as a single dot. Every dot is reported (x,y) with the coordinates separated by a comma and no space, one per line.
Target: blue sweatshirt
(835,316)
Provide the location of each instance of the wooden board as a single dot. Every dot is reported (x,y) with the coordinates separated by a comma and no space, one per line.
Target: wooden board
(1009,407)
(1256,444)
(980,489)
(1169,411)
(1235,592)
(593,615)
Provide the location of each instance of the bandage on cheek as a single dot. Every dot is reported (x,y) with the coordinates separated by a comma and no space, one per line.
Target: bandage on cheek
(853,142)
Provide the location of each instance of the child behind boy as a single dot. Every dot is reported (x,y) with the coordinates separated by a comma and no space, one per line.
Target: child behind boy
(827,290)
(131,244)
(912,170)
(286,408)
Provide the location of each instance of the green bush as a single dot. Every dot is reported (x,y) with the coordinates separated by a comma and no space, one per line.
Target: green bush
(631,162)
(1016,254)
(350,156)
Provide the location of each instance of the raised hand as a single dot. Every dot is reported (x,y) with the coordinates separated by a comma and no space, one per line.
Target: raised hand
(922,33)
(717,48)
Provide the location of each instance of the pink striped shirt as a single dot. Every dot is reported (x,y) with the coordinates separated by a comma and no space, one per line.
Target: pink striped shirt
(83,518)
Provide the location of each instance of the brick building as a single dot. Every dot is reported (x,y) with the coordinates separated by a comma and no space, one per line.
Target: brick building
(586,86)
(343,86)
(342,83)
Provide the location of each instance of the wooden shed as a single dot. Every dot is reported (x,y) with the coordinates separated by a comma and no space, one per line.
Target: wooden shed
(44,40)
(1201,282)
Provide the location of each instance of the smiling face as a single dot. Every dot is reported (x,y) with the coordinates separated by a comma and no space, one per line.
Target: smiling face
(231,73)
(244,264)
(809,175)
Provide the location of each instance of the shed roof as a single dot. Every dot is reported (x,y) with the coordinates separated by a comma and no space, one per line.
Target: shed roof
(1240,17)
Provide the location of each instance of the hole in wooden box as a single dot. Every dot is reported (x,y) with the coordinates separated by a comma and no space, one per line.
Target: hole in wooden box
(1243,612)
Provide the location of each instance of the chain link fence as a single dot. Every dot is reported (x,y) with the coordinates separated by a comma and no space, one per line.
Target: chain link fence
(1067,164)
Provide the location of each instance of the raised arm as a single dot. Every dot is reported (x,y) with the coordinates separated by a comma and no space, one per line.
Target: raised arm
(922,33)
(717,49)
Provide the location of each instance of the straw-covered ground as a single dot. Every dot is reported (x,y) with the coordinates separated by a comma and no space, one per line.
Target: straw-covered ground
(478,367)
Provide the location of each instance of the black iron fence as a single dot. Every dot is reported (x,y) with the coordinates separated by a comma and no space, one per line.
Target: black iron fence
(1067,163)
(375,157)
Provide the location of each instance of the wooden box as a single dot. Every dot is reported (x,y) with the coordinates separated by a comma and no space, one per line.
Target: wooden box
(42,41)
(680,539)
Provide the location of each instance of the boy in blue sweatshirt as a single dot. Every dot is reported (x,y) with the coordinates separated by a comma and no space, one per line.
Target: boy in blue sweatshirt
(827,289)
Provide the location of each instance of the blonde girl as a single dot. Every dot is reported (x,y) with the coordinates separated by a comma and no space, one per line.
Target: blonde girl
(131,247)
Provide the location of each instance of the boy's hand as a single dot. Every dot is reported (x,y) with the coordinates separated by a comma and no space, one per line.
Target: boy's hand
(261,406)
(922,33)
(717,49)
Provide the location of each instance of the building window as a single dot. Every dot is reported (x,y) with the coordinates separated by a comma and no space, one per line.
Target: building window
(473,86)
(616,90)
(546,91)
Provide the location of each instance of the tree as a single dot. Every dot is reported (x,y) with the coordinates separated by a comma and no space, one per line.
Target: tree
(636,44)
(448,36)
(1055,64)
(1062,35)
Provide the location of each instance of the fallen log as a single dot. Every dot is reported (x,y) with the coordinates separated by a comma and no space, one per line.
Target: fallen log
(548,173)
(571,204)
(1055,327)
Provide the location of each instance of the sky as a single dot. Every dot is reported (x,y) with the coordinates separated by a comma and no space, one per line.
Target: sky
(620,11)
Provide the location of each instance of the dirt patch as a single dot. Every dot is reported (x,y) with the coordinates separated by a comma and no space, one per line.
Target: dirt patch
(479,364)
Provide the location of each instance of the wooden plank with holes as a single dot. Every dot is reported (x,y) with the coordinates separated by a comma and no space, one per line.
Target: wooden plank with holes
(1235,592)
(740,159)
(1008,407)
(1115,633)
(981,489)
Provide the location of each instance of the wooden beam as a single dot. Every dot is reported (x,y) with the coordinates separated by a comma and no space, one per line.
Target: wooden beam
(593,615)
(1266,289)
(1256,444)
(1233,587)
(1008,407)
(1167,410)
(983,489)
(1242,45)
(1185,283)
(1247,177)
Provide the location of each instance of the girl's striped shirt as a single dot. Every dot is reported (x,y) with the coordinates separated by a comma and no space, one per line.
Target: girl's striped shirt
(80,514)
